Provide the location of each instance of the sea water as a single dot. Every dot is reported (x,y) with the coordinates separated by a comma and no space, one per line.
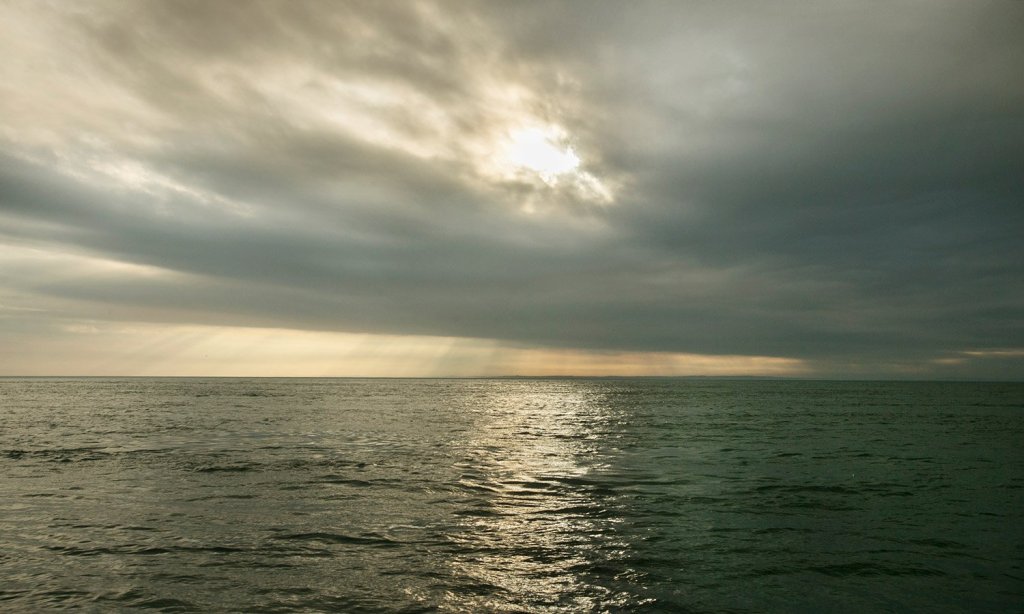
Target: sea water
(533,495)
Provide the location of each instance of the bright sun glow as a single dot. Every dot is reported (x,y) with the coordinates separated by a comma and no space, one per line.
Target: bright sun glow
(542,152)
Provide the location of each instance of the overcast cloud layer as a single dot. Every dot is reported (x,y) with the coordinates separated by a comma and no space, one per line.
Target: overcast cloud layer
(836,183)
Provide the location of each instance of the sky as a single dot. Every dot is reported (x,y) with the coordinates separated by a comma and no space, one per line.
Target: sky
(825,189)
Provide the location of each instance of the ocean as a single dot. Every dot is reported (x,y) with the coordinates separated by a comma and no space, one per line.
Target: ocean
(510,495)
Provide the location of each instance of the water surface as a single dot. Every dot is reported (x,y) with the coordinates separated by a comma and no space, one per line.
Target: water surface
(510,495)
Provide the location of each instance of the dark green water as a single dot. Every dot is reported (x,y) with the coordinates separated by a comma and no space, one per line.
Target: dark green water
(510,495)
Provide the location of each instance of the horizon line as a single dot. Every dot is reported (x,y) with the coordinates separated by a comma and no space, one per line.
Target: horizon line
(536,377)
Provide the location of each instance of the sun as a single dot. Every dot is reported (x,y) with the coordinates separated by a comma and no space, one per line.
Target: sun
(541,155)
(542,151)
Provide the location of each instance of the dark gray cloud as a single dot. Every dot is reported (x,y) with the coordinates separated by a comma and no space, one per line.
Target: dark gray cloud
(838,183)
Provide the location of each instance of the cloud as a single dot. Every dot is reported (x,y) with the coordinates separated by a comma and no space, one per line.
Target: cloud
(825,185)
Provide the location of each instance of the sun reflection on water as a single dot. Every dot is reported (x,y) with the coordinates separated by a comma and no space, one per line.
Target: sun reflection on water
(541,525)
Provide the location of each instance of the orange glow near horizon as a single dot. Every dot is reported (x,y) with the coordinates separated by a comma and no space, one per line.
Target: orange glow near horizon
(107,349)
